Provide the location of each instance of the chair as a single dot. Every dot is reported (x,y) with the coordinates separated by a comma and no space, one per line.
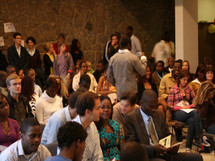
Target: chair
(52,147)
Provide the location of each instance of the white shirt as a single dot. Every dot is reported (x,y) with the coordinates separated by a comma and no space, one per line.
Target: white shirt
(162,52)
(146,121)
(15,152)
(92,150)
(76,80)
(46,106)
(18,50)
(135,45)
(37,90)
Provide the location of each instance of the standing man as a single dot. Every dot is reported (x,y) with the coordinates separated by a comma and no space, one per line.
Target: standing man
(123,67)
(18,55)
(135,42)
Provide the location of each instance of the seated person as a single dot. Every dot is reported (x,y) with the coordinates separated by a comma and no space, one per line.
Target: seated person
(3,86)
(19,105)
(147,126)
(9,128)
(180,97)
(85,82)
(133,151)
(76,79)
(89,67)
(89,110)
(58,119)
(71,144)
(205,106)
(110,133)
(49,102)
(158,73)
(100,69)
(29,147)
(126,105)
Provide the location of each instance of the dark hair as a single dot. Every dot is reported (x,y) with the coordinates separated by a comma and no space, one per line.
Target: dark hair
(2,97)
(85,81)
(69,133)
(160,61)
(207,61)
(86,101)
(182,74)
(73,99)
(61,35)
(201,69)
(133,151)
(178,61)
(209,69)
(28,122)
(125,41)
(130,96)
(9,67)
(74,45)
(148,96)
(27,87)
(16,34)
(166,36)
(82,62)
(50,81)
(32,39)
(130,28)
(117,34)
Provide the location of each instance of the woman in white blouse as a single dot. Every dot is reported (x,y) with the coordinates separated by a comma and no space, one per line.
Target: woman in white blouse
(49,102)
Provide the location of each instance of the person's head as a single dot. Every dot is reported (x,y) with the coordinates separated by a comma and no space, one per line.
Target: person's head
(148,73)
(200,70)
(31,73)
(209,74)
(186,65)
(129,31)
(31,42)
(13,82)
(61,38)
(170,62)
(183,78)
(31,135)
(75,46)
(51,86)
(126,43)
(28,87)
(73,97)
(205,93)
(3,77)
(159,66)
(106,108)
(176,68)
(89,65)
(115,38)
(85,81)
(71,138)
(49,48)
(83,67)
(208,62)
(149,102)
(101,66)
(127,102)
(4,106)
(17,37)
(63,47)
(89,106)
(10,70)
(133,151)
(166,36)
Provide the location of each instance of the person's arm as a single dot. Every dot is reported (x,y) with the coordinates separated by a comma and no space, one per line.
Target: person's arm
(39,112)
(138,66)
(100,85)
(137,45)
(47,61)
(75,82)
(11,59)
(110,75)
(162,89)
(171,98)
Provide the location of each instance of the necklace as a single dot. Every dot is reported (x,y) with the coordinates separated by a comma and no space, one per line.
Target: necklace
(6,128)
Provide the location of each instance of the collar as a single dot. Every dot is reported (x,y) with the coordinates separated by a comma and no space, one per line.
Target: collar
(78,120)
(145,117)
(123,51)
(197,81)
(48,98)
(21,151)
(32,52)
(68,117)
(17,48)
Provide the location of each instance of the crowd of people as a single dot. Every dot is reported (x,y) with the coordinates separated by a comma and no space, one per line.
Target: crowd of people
(118,111)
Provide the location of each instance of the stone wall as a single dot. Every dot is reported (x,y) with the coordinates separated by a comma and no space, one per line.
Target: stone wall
(90,21)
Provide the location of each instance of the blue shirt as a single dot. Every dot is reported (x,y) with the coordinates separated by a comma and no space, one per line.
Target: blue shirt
(58,158)
(58,119)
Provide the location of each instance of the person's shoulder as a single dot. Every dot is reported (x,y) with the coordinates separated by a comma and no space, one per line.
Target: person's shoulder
(43,152)
(14,122)
(134,113)
(10,153)
(58,116)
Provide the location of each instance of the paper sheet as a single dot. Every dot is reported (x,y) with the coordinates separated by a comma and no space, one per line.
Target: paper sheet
(187,110)
(9,27)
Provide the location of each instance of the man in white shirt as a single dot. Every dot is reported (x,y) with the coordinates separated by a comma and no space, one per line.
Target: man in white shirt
(135,42)
(58,119)
(89,110)
(29,147)
(76,79)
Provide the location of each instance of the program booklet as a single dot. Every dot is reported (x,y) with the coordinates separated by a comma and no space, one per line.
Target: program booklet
(166,142)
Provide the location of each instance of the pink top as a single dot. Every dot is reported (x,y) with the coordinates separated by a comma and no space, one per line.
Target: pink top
(14,133)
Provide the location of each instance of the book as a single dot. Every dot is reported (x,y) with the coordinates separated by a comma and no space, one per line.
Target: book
(166,142)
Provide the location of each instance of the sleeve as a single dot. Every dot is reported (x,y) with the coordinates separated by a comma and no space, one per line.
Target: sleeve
(171,98)
(116,114)
(162,89)
(75,83)
(47,61)
(192,94)
(11,58)
(139,67)
(26,64)
(138,45)
(39,112)
(110,75)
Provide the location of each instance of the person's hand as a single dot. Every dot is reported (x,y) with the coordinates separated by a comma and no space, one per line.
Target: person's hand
(160,149)
(173,149)
(68,77)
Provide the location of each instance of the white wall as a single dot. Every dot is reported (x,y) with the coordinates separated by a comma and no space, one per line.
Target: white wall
(206,10)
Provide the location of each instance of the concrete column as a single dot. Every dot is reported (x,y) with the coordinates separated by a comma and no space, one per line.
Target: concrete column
(186,31)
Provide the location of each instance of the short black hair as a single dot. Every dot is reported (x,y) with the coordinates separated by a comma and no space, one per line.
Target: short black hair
(85,81)
(28,122)
(32,39)
(160,61)
(16,34)
(125,41)
(178,61)
(73,99)
(50,81)
(80,65)
(133,151)
(130,96)
(86,101)
(70,133)
(130,28)
(166,36)
(117,34)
